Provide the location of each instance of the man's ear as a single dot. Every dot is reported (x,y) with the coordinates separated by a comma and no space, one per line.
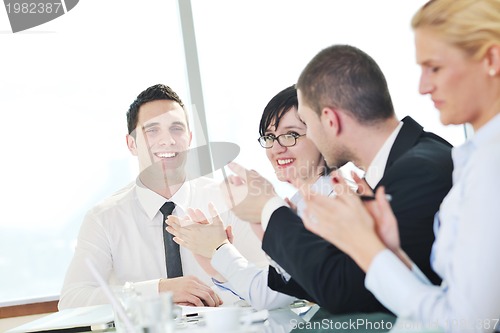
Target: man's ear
(131,144)
(331,120)
(492,60)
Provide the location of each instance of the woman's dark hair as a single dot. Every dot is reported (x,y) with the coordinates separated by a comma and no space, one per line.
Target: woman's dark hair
(277,107)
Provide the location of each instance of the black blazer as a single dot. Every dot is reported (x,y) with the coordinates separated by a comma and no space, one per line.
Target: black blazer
(418,176)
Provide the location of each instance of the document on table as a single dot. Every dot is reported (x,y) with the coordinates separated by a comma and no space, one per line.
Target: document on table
(83,319)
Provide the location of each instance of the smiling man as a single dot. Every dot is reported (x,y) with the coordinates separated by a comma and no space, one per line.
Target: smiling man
(124,235)
(160,137)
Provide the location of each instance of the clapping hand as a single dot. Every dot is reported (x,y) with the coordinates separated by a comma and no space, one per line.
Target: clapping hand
(344,221)
(386,224)
(246,193)
(200,236)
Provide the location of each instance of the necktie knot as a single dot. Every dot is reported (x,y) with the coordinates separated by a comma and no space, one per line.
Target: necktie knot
(167,208)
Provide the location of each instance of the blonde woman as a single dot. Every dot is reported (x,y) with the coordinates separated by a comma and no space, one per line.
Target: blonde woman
(458,50)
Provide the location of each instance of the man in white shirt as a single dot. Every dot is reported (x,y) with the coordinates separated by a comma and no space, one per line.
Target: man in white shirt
(123,235)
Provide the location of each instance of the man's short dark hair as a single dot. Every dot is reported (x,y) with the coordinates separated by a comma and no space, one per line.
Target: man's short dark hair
(343,76)
(153,93)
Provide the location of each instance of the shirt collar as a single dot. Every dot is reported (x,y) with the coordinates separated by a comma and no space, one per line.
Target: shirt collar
(152,201)
(488,132)
(485,134)
(375,171)
(322,185)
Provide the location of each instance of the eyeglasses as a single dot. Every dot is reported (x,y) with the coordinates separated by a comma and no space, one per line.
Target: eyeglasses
(285,140)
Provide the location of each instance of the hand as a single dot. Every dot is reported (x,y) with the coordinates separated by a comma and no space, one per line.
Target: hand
(362,186)
(229,234)
(202,237)
(189,290)
(386,224)
(344,221)
(293,206)
(257,230)
(247,193)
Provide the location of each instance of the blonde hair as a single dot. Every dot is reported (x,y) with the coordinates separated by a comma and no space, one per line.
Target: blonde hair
(471,25)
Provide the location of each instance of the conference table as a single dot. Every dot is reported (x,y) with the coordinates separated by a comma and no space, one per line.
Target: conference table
(308,318)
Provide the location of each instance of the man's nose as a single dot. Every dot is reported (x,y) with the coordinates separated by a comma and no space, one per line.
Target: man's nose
(167,140)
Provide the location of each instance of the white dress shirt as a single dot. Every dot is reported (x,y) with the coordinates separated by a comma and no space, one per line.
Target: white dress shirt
(375,171)
(250,282)
(465,254)
(123,238)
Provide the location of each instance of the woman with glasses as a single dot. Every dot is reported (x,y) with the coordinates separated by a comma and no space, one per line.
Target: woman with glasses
(294,157)
(296,160)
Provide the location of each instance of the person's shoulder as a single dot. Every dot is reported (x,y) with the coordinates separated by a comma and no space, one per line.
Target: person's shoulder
(430,138)
(431,148)
(435,160)
(491,150)
(429,155)
(491,144)
(117,199)
(486,158)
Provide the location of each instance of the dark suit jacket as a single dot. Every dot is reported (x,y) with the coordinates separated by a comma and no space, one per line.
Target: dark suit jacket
(418,176)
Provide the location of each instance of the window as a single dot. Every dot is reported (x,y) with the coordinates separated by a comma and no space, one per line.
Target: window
(65,89)
(251,50)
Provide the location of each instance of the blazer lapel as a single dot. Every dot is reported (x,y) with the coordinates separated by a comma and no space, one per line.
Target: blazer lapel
(407,138)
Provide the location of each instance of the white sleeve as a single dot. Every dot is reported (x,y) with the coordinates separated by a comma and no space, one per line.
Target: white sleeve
(419,274)
(394,284)
(269,208)
(80,288)
(468,259)
(280,270)
(433,307)
(247,280)
(147,288)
